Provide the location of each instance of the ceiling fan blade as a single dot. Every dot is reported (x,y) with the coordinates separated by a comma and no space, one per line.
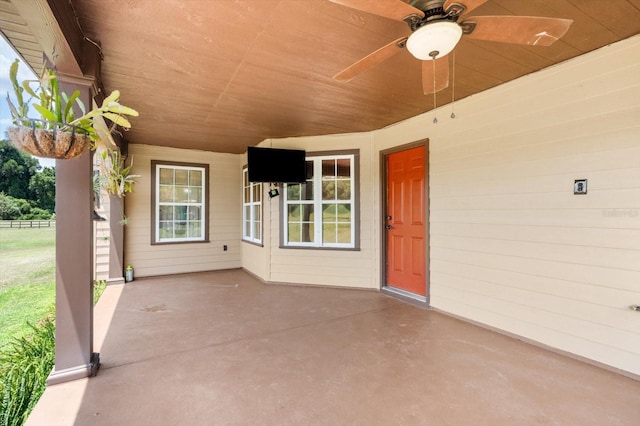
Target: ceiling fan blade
(442,75)
(531,30)
(393,9)
(371,60)
(468,4)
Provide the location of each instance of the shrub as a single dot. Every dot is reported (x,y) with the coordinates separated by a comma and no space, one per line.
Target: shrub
(98,289)
(9,209)
(36,213)
(23,205)
(24,367)
(12,208)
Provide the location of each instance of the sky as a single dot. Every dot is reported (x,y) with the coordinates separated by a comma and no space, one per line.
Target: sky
(7,56)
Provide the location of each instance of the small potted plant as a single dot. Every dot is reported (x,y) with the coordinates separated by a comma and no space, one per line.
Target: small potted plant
(58,133)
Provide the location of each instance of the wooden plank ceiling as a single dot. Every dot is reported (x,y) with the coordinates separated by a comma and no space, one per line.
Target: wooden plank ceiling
(221,75)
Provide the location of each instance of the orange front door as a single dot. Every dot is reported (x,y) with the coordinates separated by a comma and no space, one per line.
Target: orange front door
(405,221)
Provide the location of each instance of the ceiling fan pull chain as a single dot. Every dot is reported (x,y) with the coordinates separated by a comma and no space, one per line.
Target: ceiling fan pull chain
(453,87)
(433,60)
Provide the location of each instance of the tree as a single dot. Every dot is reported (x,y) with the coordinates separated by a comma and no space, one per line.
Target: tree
(16,170)
(21,182)
(42,188)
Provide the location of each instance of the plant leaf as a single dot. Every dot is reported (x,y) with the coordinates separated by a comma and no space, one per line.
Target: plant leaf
(81,106)
(113,97)
(27,87)
(56,99)
(121,109)
(68,109)
(117,119)
(12,108)
(103,134)
(45,113)
(13,76)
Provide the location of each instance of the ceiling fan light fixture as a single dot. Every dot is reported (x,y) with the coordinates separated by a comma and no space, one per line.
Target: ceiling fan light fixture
(434,40)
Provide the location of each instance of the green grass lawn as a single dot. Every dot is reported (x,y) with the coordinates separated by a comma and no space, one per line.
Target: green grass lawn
(27,279)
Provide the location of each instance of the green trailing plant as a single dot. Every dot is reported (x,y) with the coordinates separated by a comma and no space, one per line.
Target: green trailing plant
(56,108)
(25,365)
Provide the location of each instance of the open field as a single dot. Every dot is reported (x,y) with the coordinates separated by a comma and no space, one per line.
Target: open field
(27,280)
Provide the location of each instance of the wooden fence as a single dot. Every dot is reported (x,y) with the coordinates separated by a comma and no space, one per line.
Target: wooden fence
(22,224)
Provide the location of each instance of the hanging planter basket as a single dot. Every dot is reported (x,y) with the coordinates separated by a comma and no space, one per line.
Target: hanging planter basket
(50,143)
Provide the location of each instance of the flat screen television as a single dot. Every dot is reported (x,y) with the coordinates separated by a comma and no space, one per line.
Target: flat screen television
(276,165)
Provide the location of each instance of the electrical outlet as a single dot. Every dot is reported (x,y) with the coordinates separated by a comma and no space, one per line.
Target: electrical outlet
(224,247)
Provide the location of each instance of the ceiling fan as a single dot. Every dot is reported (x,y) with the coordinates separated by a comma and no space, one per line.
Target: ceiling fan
(438,25)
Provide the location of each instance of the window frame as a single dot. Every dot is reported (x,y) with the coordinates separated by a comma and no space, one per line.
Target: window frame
(155,204)
(251,203)
(317,158)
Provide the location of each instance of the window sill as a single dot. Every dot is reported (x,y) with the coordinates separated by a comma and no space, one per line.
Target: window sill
(320,248)
(164,243)
(253,243)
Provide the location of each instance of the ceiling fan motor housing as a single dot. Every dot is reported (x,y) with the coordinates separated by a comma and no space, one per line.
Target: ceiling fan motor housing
(433,11)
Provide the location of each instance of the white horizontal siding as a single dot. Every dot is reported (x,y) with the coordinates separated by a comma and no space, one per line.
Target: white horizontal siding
(101,248)
(224,216)
(583,237)
(583,273)
(605,257)
(337,268)
(545,285)
(599,217)
(254,260)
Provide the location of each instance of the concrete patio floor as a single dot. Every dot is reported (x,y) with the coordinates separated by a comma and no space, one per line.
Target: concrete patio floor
(222,348)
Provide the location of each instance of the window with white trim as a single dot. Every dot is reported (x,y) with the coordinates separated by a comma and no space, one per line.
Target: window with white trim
(322,211)
(180,202)
(251,209)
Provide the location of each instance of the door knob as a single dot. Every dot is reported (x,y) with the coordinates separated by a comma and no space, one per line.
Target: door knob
(388,227)
(635,307)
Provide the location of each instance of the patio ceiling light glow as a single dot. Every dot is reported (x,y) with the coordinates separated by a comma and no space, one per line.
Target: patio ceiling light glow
(434,40)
